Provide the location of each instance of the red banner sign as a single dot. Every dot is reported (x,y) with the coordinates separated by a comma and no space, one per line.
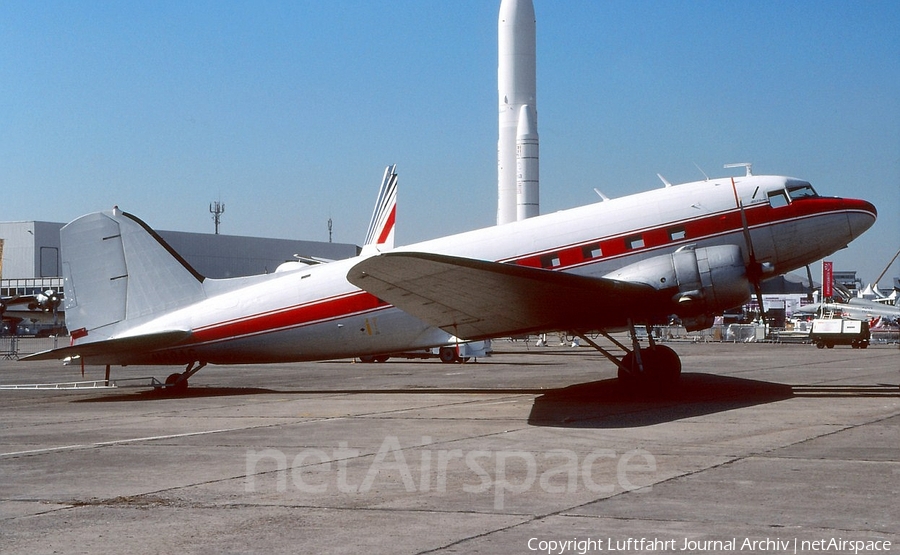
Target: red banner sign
(827,280)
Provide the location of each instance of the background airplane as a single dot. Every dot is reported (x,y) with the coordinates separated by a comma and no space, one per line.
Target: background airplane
(857,309)
(690,250)
(37,307)
(380,233)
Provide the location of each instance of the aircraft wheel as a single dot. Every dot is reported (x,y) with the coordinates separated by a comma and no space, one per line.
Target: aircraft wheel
(663,364)
(173,384)
(628,377)
(662,368)
(448,354)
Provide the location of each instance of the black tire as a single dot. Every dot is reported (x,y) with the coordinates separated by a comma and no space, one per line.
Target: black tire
(448,354)
(662,368)
(628,377)
(172,383)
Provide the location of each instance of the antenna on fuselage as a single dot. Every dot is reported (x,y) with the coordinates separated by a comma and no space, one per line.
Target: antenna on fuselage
(701,171)
(664,180)
(746,165)
(604,197)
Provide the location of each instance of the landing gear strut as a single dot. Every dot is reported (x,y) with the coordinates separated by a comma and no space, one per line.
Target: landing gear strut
(179,382)
(655,367)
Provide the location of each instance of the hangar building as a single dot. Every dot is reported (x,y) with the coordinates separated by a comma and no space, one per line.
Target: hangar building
(30,257)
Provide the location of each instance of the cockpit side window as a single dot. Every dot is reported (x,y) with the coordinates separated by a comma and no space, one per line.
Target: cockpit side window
(804,190)
(778,198)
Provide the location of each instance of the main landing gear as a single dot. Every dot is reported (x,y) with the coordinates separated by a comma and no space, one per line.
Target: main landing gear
(654,368)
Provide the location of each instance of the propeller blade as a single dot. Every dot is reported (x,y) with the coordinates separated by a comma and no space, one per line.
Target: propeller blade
(754,268)
(809,277)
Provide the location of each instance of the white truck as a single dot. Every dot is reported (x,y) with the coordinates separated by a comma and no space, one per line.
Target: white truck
(828,332)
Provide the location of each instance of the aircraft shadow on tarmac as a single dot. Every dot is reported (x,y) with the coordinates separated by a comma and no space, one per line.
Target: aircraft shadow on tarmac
(599,404)
(607,404)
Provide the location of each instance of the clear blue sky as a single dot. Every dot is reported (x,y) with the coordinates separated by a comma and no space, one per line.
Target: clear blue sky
(288,111)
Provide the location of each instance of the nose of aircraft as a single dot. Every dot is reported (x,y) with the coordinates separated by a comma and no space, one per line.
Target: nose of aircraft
(861,215)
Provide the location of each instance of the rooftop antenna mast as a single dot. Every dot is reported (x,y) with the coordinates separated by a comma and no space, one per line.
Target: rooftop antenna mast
(217,209)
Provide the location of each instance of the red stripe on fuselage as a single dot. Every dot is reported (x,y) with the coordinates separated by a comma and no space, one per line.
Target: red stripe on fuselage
(290,317)
(680,232)
(615,246)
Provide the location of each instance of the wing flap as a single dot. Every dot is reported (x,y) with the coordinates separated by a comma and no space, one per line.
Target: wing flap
(478,299)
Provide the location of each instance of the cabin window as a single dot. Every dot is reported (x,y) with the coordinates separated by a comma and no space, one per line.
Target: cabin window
(634,242)
(677,233)
(777,199)
(550,261)
(591,251)
(802,191)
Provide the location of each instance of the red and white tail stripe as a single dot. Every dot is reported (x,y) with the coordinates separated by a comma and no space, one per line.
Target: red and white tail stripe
(381,227)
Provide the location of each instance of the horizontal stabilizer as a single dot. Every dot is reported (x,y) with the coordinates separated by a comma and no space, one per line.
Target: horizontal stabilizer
(114,351)
(475,299)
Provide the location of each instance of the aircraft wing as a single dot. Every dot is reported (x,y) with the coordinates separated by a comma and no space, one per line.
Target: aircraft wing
(116,349)
(475,299)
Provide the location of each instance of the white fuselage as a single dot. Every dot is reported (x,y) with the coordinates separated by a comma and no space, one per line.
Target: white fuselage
(314,313)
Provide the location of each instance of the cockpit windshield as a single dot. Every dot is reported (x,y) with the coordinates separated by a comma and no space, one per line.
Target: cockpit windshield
(802,190)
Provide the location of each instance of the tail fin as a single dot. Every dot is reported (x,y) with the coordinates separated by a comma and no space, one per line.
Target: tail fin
(117,269)
(381,227)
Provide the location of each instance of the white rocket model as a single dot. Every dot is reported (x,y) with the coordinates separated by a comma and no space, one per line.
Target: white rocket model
(517,146)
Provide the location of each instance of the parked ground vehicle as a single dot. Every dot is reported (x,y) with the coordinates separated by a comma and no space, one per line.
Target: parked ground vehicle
(828,332)
(460,351)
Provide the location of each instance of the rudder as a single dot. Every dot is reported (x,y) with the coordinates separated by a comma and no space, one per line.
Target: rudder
(118,270)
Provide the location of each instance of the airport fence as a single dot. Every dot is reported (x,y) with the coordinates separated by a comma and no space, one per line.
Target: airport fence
(14,347)
(730,333)
(751,333)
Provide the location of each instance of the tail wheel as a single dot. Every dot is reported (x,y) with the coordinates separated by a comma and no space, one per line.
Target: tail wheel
(173,384)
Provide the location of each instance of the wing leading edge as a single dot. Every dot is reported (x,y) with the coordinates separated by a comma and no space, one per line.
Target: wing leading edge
(475,299)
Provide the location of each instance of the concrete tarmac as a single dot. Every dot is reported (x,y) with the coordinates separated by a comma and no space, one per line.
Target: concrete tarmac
(762,448)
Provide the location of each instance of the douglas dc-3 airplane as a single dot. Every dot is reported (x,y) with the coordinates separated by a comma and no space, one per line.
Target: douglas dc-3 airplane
(34,307)
(690,250)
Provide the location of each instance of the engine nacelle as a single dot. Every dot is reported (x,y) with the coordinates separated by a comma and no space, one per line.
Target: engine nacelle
(703,281)
(46,301)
